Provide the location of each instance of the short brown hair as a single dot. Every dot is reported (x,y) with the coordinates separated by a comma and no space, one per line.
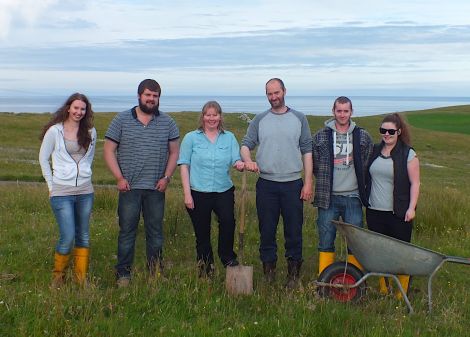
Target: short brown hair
(149,84)
(342,100)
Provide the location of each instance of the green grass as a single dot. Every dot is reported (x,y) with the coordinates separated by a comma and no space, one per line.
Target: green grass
(182,304)
(451,119)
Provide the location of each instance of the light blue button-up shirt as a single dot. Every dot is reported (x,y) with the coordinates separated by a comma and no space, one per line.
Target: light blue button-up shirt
(209,163)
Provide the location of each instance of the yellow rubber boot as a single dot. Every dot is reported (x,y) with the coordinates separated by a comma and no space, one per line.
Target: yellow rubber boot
(80,264)
(383,288)
(60,265)
(352,260)
(324,260)
(404,281)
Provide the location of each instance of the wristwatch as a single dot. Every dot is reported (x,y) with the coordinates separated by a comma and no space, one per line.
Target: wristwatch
(167,178)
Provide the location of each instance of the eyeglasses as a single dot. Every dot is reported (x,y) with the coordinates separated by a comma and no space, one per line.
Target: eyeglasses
(391,132)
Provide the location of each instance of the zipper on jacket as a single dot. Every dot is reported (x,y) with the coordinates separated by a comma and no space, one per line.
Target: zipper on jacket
(77,163)
(76,178)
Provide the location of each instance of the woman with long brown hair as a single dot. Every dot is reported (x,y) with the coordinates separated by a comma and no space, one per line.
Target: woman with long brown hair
(69,140)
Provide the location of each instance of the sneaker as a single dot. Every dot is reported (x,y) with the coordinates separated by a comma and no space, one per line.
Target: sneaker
(123,282)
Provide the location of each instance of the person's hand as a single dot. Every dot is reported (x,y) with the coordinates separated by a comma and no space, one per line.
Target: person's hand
(252,166)
(239,165)
(123,185)
(410,215)
(306,193)
(162,184)
(188,201)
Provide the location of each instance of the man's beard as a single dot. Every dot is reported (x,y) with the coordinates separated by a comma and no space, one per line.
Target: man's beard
(147,110)
(277,104)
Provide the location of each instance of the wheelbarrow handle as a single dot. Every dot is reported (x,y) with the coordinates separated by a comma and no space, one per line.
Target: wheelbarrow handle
(457,259)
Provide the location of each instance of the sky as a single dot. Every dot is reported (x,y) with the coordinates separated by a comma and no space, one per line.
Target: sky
(204,47)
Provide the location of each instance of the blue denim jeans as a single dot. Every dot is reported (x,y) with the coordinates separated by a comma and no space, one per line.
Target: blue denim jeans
(350,210)
(131,203)
(272,200)
(72,213)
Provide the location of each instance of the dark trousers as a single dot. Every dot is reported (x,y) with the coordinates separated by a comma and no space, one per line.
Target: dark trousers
(388,224)
(222,204)
(274,199)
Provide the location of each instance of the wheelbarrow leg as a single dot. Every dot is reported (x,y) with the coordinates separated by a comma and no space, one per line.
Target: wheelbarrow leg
(403,293)
(430,284)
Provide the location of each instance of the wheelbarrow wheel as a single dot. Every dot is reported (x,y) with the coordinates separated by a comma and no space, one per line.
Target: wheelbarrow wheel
(340,274)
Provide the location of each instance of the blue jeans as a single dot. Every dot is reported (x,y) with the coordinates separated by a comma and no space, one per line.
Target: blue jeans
(350,210)
(131,203)
(72,213)
(272,200)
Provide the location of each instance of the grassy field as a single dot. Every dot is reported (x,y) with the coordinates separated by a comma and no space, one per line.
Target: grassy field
(183,305)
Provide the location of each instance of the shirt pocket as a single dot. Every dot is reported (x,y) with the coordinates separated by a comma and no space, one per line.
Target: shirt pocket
(201,151)
(224,154)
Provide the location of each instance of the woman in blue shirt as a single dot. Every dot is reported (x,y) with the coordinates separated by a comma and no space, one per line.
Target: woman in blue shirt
(206,156)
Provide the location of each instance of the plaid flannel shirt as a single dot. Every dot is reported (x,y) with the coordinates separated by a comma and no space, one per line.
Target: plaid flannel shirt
(323,163)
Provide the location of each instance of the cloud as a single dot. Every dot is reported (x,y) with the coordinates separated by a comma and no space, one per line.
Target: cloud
(73,24)
(334,42)
(382,46)
(20,12)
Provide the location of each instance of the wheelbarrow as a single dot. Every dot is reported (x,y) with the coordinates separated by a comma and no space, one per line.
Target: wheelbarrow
(380,255)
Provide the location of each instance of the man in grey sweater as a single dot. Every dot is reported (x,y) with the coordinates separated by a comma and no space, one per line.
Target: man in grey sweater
(284,145)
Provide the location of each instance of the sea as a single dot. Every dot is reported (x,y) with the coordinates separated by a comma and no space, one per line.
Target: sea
(309,105)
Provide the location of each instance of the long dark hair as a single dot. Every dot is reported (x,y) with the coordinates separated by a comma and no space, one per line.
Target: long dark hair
(86,123)
(400,124)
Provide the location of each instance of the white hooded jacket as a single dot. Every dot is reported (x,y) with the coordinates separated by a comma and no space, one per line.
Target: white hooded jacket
(65,171)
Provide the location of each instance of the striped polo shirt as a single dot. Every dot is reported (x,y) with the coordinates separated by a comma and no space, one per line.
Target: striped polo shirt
(142,151)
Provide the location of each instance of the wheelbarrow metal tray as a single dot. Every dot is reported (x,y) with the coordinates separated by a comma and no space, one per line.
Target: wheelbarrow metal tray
(382,254)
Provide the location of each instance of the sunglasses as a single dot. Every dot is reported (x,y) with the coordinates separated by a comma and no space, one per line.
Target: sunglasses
(391,132)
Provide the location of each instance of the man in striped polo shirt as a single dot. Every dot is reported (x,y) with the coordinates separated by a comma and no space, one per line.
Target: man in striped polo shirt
(141,149)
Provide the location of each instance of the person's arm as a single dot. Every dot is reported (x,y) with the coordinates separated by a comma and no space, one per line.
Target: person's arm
(188,198)
(47,147)
(93,147)
(250,165)
(249,142)
(109,154)
(173,152)
(307,189)
(306,147)
(413,173)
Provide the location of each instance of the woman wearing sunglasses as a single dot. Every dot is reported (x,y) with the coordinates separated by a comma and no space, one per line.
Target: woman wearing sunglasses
(393,186)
